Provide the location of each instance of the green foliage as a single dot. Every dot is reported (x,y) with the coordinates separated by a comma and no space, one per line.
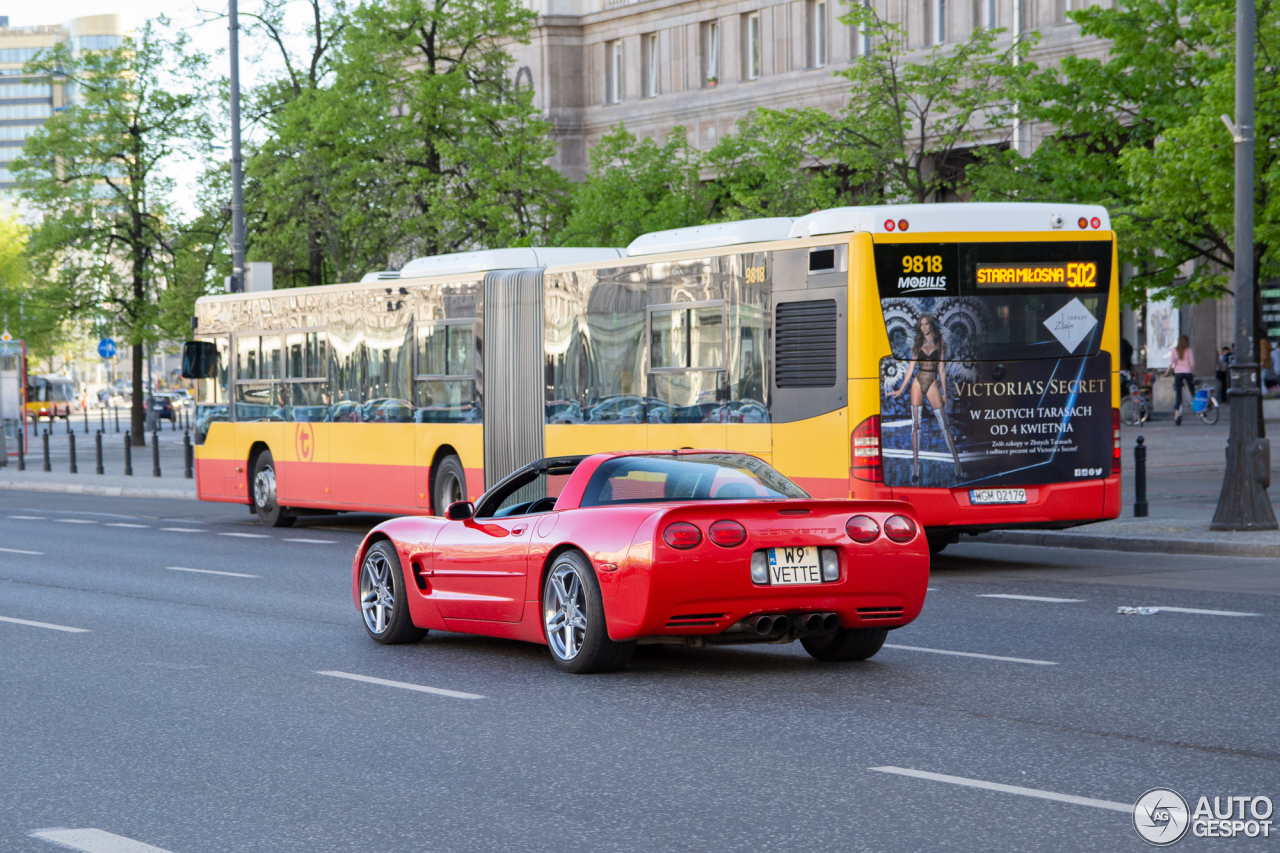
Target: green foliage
(763,168)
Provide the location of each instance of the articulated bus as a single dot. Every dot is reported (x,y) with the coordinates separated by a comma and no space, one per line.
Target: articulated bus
(962,357)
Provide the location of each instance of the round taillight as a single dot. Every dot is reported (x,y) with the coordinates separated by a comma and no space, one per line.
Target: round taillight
(1095,222)
(862,529)
(888,225)
(903,225)
(682,535)
(726,533)
(1083,223)
(899,528)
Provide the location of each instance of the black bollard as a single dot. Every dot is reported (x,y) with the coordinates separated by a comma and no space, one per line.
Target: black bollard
(128,454)
(67,422)
(116,409)
(22,451)
(1140,480)
(45,439)
(97,453)
(155,453)
(71,446)
(102,419)
(188,456)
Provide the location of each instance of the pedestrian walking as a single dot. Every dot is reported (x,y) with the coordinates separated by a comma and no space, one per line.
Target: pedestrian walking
(1182,367)
(1223,372)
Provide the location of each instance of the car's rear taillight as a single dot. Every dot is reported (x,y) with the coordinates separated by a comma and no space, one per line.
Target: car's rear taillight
(862,529)
(899,528)
(865,451)
(725,533)
(682,535)
(1115,436)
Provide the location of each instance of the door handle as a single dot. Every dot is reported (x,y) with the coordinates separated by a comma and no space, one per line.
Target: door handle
(518,529)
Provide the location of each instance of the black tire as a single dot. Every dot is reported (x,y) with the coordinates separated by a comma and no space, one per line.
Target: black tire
(1209,416)
(846,644)
(382,589)
(589,649)
(262,491)
(448,484)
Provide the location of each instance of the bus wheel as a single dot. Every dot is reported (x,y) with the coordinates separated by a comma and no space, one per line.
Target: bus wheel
(450,484)
(270,513)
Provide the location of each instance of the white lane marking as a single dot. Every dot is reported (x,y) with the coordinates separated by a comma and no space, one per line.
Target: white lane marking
(930,589)
(123,524)
(184,529)
(29,517)
(44,625)
(1008,789)
(247,535)
(403,685)
(1031,598)
(74,521)
(972,655)
(95,841)
(314,541)
(1164,609)
(209,572)
(20,551)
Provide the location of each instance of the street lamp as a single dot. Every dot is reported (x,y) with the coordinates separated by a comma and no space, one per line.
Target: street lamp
(237,178)
(1243,503)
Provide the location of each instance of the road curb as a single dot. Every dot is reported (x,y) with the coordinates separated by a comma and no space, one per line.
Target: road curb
(106,491)
(1096,542)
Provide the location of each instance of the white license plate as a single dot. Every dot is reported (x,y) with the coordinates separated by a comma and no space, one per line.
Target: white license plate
(793,566)
(997,496)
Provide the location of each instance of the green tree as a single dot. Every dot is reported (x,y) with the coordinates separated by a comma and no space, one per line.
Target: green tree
(109,236)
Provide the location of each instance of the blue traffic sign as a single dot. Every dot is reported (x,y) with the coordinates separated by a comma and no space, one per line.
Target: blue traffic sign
(107,348)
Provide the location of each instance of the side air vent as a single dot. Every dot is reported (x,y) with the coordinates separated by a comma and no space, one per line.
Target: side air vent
(805,349)
(879,612)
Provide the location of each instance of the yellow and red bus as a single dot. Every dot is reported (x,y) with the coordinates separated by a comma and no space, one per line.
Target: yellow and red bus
(962,357)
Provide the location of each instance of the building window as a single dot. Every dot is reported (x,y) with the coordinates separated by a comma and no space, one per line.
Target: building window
(862,38)
(649,58)
(613,71)
(751,46)
(988,16)
(710,53)
(938,24)
(816,12)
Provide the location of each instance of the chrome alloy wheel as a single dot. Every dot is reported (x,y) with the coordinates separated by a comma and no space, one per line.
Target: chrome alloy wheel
(264,487)
(564,611)
(377,593)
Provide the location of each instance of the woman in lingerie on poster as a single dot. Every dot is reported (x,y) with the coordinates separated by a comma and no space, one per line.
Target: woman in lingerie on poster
(927,376)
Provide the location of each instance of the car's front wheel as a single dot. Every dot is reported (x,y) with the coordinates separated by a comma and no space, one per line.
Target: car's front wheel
(846,644)
(382,598)
(573,618)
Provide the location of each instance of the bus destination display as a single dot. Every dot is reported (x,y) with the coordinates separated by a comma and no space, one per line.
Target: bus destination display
(1075,274)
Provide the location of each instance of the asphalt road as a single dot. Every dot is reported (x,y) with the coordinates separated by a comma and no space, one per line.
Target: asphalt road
(189,712)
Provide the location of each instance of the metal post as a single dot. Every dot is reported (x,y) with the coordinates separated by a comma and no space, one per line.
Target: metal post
(1243,503)
(71,446)
(85,412)
(173,423)
(97,453)
(155,453)
(128,455)
(237,179)
(102,419)
(116,409)
(22,451)
(188,456)
(45,438)
(67,422)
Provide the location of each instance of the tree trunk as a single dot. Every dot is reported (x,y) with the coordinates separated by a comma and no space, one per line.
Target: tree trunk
(137,417)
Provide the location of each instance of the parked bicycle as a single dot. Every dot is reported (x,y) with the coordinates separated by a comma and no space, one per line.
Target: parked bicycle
(1135,401)
(1205,405)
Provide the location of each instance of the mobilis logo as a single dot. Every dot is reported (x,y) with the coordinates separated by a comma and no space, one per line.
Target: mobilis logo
(922,282)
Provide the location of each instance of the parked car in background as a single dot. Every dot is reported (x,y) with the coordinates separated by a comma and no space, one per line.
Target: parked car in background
(163,406)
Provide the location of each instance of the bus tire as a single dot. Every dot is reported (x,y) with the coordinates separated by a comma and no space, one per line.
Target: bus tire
(845,644)
(448,484)
(263,491)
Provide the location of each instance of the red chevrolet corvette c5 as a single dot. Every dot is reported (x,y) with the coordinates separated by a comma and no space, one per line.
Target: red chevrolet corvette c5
(693,547)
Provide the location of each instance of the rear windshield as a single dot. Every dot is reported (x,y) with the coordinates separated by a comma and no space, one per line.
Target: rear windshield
(694,477)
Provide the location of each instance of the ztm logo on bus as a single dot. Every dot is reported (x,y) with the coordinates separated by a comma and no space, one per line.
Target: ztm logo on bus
(304,441)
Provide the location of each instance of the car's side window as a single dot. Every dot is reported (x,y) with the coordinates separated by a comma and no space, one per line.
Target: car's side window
(522,496)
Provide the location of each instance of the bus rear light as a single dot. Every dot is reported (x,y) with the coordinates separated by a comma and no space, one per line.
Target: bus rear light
(889,225)
(1115,437)
(903,225)
(726,533)
(682,535)
(1083,223)
(1095,222)
(865,451)
(899,528)
(862,528)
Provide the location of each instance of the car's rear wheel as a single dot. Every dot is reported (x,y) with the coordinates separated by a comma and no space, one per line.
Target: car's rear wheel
(265,500)
(449,484)
(573,619)
(846,644)
(382,598)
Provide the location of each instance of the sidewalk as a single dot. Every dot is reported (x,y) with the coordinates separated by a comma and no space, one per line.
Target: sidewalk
(1184,477)
(113,482)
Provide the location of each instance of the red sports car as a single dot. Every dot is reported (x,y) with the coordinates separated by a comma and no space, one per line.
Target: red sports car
(592,555)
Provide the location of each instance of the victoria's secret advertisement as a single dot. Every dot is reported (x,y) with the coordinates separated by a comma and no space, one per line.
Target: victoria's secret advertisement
(996,377)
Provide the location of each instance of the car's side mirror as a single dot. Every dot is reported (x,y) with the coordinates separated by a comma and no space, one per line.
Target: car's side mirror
(199,360)
(460,511)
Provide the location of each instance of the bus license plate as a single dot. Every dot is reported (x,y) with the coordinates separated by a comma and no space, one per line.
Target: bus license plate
(997,496)
(793,566)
